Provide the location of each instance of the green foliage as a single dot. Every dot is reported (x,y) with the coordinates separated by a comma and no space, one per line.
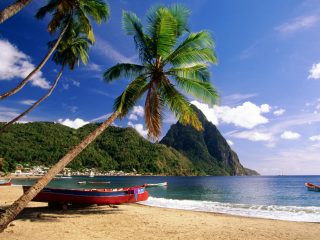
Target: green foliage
(77,10)
(42,143)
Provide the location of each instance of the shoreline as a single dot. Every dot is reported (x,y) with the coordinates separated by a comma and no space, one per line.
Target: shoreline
(137,221)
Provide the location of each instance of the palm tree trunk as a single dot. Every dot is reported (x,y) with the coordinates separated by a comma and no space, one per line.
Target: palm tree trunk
(33,105)
(10,213)
(37,69)
(12,9)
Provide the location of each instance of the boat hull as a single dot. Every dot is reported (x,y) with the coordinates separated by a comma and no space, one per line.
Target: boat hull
(91,196)
(5,183)
(312,187)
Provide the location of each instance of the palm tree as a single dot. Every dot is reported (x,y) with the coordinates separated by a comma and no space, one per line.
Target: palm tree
(162,59)
(12,9)
(73,47)
(63,12)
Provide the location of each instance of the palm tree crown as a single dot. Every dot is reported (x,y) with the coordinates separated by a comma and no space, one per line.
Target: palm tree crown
(170,57)
(80,10)
(73,47)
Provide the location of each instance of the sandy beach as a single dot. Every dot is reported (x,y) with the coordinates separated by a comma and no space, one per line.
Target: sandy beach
(135,221)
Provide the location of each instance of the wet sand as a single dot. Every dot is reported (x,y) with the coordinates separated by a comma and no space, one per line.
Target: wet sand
(135,221)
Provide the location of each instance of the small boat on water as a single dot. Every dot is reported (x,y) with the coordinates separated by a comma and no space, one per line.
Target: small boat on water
(91,174)
(5,182)
(100,182)
(312,187)
(91,196)
(82,182)
(163,184)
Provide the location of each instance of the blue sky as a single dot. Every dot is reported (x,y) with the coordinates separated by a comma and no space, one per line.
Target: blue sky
(268,76)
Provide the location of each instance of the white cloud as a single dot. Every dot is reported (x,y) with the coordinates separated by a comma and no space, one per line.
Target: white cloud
(315,138)
(93,67)
(288,135)
(137,111)
(254,136)
(7,114)
(236,98)
(279,112)
(265,108)
(229,142)
(102,117)
(16,64)
(28,102)
(297,24)
(133,117)
(314,72)
(103,93)
(139,128)
(105,48)
(247,115)
(77,123)
(76,83)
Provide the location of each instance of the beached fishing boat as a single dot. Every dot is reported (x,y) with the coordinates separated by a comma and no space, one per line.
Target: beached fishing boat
(163,184)
(5,182)
(91,196)
(312,187)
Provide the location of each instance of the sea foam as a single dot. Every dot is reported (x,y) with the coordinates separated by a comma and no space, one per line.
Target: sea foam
(289,213)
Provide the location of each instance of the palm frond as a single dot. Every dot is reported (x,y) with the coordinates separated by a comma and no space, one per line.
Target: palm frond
(124,70)
(73,47)
(179,105)
(152,114)
(194,56)
(181,14)
(132,26)
(97,9)
(162,29)
(199,72)
(199,40)
(126,101)
(49,8)
(199,89)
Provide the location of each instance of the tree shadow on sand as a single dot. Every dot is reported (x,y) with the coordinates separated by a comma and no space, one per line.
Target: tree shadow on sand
(49,214)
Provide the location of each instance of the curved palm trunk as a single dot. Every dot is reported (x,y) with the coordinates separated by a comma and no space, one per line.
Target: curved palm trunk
(12,9)
(33,105)
(37,69)
(10,213)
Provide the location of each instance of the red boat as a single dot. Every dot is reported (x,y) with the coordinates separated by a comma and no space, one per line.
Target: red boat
(5,182)
(312,187)
(91,196)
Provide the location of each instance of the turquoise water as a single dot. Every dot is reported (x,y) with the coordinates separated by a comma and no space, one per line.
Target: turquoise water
(277,197)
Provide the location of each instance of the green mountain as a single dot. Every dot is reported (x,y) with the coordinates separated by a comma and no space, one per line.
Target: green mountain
(192,153)
(43,143)
(208,150)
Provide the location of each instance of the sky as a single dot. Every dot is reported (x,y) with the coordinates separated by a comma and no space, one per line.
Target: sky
(268,76)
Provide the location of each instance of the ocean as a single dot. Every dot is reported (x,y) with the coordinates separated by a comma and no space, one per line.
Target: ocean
(273,197)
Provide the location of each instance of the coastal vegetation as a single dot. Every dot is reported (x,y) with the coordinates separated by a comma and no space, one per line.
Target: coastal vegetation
(167,61)
(120,149)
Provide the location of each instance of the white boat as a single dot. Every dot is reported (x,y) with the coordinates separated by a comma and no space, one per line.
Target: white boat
(91,174)
(163,184)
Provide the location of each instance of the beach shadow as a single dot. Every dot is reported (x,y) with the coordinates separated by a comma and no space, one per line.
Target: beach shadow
(48,214)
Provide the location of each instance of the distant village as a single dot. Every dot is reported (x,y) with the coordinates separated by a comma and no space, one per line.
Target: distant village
(36,171)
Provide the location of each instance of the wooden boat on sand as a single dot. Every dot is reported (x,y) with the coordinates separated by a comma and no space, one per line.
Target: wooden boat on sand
(91,196)
(5,182)
(312,187)
(163,184)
